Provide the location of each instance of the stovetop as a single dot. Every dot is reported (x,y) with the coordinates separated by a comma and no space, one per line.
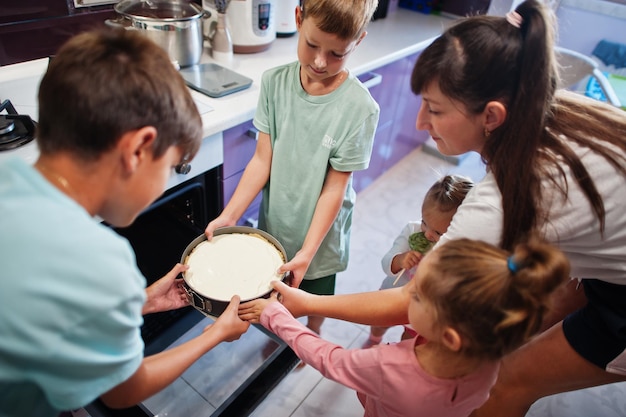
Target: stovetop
(19,84)
(15,129)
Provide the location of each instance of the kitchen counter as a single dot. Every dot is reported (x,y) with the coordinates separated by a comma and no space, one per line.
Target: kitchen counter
(400,34)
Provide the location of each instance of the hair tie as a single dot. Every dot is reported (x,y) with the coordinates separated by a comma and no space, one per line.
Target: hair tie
(514,18)
(510,263)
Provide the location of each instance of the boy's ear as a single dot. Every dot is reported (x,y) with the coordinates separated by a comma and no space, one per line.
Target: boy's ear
(136,146)
(361,37)
(451,339)
(298,17)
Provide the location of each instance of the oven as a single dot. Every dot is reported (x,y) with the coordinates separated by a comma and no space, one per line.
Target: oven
(234,377)
(160,235)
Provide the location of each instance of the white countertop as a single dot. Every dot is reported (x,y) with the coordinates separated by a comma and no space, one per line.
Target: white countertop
(402,33)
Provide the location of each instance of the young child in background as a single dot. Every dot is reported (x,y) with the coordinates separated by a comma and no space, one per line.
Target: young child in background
(418,237)
(115,118)
(470,302)
(316,125)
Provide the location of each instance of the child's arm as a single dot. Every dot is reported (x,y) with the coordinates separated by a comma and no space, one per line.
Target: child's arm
(375,308)
(359,369)
(160,370)
(328,206)
(254,178)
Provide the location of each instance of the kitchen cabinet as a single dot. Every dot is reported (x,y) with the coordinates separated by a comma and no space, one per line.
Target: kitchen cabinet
(396,135)
(33,29)
(239,146)
(405,136)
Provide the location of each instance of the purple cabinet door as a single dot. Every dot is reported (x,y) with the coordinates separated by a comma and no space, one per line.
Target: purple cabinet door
(239,146)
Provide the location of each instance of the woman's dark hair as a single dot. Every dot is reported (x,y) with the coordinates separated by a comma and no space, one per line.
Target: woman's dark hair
(486,58)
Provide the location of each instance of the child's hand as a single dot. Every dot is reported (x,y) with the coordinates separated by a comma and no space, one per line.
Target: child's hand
(215,224)
(298,267)
(228,324)
(167,293)
(252,310)
(408,260)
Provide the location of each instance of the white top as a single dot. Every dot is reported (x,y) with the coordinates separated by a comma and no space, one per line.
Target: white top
(572,226)
(233,264)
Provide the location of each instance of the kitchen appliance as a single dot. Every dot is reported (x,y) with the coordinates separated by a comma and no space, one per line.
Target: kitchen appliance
(214,80)
(252,25)
(218,32)
(175,25)
(15,129)
(286,17)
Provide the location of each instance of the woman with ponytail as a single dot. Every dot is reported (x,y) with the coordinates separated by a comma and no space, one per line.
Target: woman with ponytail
(556,166)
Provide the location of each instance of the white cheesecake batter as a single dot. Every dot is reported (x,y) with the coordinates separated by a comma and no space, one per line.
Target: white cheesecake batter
(233,264)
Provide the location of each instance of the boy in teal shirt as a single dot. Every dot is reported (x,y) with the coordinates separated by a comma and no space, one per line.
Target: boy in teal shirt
(115,118)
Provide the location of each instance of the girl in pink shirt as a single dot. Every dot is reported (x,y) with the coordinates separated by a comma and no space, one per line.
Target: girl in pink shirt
(471,303)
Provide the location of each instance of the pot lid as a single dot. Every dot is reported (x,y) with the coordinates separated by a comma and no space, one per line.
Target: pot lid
(162,10)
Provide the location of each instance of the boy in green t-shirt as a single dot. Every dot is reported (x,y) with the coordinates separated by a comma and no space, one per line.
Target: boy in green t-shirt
(317,125)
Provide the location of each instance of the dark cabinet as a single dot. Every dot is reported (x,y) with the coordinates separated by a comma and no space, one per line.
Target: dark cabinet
(33,29)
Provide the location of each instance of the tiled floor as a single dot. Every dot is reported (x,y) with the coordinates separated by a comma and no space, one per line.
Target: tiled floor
(381,211)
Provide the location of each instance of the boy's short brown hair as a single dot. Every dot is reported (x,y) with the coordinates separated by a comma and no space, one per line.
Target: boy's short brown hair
(105,83)
(344,18)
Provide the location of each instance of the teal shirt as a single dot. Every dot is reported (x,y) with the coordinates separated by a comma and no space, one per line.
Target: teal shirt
(71,298)
(309,133)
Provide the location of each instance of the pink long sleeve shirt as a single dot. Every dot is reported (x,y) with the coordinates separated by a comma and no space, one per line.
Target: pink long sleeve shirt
(388,378)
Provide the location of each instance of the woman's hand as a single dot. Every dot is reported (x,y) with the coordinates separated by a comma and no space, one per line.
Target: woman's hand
(167,293)
(228,325)
(252,310)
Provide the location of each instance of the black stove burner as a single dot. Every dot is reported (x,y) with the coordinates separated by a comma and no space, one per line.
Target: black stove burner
(15,129)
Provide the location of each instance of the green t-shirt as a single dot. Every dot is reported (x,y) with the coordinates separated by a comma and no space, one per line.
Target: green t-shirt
(309,133)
